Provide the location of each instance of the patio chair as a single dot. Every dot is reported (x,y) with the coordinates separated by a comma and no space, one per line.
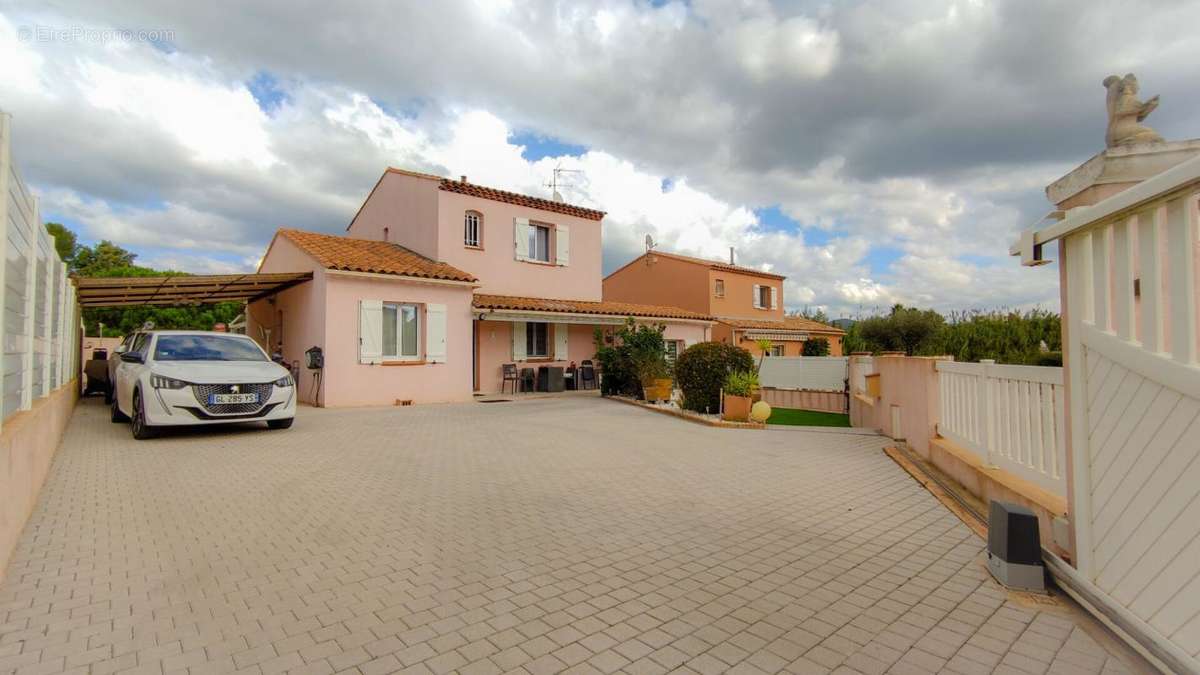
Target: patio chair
(587,375)
(509,374)
(528,379)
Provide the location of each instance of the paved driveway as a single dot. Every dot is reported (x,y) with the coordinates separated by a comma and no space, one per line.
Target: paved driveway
(545,535)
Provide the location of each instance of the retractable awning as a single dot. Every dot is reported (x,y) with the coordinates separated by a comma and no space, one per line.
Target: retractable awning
(192,289)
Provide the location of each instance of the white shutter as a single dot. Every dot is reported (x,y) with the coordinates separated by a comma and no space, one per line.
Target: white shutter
(560,342)
(521,238)
(562,245)
(774,297)
(370,331)
(435,333)
(518,337)
(757,296)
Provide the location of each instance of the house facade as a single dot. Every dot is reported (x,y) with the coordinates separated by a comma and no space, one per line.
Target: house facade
(746,303)
(436,285)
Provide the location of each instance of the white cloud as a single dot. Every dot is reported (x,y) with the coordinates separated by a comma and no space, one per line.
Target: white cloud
(848,117)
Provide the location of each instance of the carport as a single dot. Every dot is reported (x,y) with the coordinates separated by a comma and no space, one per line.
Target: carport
(192,289)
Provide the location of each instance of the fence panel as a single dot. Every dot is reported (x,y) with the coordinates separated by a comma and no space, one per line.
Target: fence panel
(818,373)
(1012,417)
(39,329)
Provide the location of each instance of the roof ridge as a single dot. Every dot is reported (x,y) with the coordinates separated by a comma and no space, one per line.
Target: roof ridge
(508,196)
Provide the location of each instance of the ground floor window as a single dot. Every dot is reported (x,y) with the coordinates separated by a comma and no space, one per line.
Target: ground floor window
(537,340)
(401,325)
(673,348)
(776,350)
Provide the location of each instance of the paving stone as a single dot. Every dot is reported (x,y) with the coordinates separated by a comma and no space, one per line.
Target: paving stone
(336,547)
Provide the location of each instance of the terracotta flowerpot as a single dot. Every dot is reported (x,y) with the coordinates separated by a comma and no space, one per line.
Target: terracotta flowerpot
(737,408)
(660,390)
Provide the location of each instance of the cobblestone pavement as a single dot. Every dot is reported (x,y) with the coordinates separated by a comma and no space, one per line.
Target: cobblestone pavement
(536,536)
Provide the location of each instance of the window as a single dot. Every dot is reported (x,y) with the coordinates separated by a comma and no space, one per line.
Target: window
(764,297)
(776,350)
(673,347)
(719,288)
(537,340)
(539,242)
(472,229)
(400,326)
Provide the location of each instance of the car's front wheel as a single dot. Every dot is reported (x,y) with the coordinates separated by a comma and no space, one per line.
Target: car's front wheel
(281,424)
(115,411)
(141,430)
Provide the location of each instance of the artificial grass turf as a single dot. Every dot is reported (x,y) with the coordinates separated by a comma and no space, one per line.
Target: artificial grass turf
(807,418)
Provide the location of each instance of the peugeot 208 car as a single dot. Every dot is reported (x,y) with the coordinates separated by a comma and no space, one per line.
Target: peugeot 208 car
(175,378)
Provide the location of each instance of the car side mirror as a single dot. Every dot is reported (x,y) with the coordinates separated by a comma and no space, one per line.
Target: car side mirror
(120,349)
(132,357)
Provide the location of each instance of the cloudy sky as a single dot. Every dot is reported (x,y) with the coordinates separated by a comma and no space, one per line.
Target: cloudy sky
(874,152)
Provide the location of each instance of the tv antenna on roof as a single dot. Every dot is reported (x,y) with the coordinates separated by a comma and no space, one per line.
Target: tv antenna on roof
(556,180)
(650,257)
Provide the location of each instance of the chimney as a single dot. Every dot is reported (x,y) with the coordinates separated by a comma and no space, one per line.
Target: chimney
(731,256)
(462,179)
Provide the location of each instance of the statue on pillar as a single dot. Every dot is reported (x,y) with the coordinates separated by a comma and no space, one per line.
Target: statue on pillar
(1126,112)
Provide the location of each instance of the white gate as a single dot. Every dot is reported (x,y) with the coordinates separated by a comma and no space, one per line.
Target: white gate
(1134,402)
(820,373)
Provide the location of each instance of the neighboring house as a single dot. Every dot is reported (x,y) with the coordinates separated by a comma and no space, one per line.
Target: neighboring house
(747,303)
(437,284)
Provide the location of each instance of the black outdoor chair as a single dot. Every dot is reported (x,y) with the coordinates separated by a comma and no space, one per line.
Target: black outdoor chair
(510,375)
(587,375)
(528,379)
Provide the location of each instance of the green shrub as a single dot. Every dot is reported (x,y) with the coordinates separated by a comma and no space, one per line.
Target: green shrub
(741,383)
(816,347)
(1049,359)
(634,356)
(701,369)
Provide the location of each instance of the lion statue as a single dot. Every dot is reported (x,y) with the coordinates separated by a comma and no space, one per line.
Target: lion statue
(1126,112)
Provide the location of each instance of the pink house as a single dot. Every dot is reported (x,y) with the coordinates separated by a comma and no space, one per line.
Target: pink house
(436,285)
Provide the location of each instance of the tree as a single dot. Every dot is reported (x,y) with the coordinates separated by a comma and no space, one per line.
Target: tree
(905,329)
(817,315)
(106,259)
(65,243)
(816,347)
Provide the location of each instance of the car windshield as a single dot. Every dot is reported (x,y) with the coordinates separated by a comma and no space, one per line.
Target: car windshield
(206,348)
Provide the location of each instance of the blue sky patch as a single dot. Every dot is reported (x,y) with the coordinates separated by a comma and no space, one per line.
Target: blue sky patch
(265,89)
(538,146)
(880,259)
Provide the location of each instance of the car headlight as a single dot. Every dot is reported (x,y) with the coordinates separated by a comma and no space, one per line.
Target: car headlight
(164,382)
(285,381)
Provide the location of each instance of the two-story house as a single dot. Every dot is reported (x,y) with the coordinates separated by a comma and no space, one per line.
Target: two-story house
(747,303)
(436,284)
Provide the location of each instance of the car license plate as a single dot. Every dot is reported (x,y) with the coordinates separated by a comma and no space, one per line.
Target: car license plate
(218,399)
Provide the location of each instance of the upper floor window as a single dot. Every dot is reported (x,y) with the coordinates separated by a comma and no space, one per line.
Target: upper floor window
(473,229)
(765,296)
(539,242)
(719,288)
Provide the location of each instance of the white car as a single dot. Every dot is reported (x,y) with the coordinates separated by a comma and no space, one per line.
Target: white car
(176,378)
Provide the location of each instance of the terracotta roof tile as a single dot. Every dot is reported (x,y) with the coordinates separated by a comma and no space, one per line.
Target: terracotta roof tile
(605,307)
(365,255)
(789,323)
(474,190)
(711,264)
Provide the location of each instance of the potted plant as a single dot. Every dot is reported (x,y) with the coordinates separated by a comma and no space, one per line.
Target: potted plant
(736,402)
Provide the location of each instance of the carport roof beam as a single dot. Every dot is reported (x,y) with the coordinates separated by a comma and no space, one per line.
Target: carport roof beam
(182,289)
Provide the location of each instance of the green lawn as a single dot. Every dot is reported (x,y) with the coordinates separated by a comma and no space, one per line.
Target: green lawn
(807,418)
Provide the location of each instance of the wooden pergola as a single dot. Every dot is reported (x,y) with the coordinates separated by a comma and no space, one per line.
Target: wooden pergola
(192,289)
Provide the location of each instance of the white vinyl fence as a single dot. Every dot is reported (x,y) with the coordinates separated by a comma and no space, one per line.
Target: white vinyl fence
(39,328)
(1012,417)
(1131,344)
(818,373)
